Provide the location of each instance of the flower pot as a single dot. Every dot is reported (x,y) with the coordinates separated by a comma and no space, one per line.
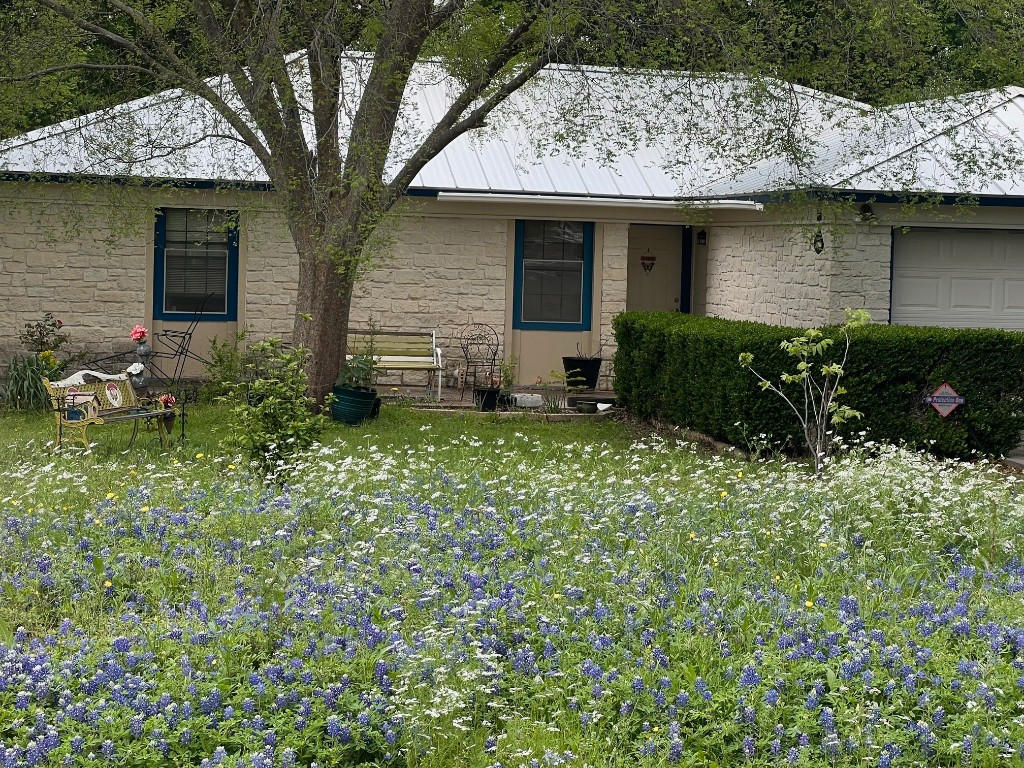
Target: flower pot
(169,423)
(582,371)
(351,406)
(486,398)
(586,406)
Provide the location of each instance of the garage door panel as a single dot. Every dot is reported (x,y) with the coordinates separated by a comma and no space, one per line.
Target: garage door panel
(958,278)
(1013,293)
(974,294)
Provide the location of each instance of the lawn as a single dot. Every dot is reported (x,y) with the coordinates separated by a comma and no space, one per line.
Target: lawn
(433,591)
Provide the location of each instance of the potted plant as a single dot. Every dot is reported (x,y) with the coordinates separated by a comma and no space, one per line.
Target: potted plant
(485,395)
(584,368)
(507,381)
(353,394)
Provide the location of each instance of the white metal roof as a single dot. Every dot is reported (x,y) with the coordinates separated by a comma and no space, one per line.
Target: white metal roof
(590,133)
(968,145)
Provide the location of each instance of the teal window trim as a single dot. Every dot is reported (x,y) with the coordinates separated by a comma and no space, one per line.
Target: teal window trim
(230,314)
(587,293)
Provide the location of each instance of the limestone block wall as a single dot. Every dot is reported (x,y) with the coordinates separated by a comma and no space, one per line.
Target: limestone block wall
(68,256)
(439,273)
(770,273)
(613,255)
(271,274)
(861,259)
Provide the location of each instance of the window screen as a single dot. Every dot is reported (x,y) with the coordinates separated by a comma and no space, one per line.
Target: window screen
(552,271)
(196,259)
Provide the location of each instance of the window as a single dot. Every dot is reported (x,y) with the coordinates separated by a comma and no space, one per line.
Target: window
(554,262)
(196,264)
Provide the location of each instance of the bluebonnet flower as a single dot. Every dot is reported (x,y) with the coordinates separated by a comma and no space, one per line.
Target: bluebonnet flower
(749,676)
(702,688)
(675,751)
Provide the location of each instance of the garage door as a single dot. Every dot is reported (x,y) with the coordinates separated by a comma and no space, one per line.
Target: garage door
(958,278)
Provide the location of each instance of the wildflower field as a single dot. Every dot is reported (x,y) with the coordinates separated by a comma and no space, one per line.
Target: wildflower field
(485,595)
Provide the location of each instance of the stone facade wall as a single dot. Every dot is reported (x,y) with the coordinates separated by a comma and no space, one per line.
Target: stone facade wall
(440,272)
(271,274)
(861,272)
(63,256)
(615,244)
(771,274)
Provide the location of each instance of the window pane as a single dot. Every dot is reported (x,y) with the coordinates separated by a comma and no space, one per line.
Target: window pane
(196,259)
(552,272)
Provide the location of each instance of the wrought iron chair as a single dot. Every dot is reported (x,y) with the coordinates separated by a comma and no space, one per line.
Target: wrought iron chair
(479,344)
(175,348)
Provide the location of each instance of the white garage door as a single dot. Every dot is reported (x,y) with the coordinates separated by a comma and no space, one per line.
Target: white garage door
(958,278)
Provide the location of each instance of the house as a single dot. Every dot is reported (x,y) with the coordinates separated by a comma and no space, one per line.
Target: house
(761,201)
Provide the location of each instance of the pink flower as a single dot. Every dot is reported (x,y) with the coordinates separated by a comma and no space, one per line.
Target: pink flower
(167,400)
(139,334)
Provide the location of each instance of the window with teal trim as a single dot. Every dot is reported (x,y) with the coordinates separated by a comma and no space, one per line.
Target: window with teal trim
(553,275)
(196,264)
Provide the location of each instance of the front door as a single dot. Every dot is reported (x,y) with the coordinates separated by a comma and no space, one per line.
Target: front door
(654,269)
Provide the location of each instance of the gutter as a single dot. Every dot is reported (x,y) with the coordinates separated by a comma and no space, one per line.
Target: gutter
(599,202)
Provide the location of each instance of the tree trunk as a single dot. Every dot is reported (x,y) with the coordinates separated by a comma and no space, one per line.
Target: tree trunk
(323,304)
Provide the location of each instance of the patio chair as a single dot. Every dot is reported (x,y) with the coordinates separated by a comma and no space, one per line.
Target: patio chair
(479,344)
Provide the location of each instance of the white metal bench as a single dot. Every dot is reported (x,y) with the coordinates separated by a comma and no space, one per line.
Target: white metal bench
(399,351)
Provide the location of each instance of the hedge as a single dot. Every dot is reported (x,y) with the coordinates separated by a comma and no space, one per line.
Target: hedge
(685,369)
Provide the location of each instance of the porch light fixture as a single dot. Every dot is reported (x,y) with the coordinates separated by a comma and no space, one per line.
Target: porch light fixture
(819,242)
(702,238)
(819,239)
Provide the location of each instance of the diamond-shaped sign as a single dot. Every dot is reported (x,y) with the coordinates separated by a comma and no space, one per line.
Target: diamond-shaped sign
(945,399)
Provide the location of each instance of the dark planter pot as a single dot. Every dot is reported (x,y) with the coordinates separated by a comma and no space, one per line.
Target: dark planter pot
(169,423)
(486,398)
(586,406)
(582,371)
(351,406)
(506,400)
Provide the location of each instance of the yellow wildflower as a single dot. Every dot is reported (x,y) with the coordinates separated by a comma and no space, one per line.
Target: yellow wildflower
(808,604)
(107,583)
(200,455)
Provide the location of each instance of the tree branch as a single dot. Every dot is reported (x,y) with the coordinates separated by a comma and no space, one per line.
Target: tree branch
(167,66)
(72,67)
(450,127)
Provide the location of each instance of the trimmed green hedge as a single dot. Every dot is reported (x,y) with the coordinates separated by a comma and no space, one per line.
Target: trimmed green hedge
(685,369)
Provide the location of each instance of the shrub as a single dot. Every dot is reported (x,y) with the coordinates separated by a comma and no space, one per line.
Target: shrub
(683,369)
(23,382)
(226,366)
(23,387)
(273,415)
